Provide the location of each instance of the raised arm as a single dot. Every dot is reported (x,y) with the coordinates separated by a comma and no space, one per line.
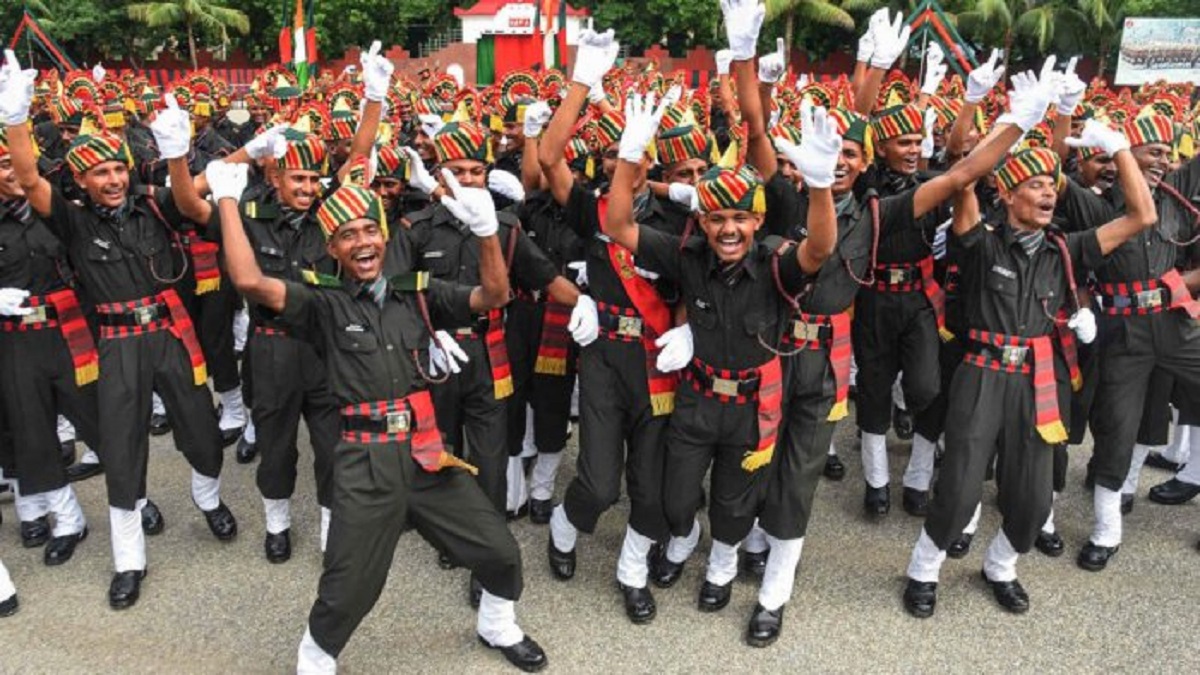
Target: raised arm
(816,158)
(966,211)
(16,95)
(888,40)
(227,182)
(536,118)
(172,129)
(641,124)
(377,77)
(743,20)
(771,69)
(1140,212)
(1070,93)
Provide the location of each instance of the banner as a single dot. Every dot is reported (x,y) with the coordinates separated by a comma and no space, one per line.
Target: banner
(1159,49)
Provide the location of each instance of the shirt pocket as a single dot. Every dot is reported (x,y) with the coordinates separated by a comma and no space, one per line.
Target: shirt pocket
(1001,283)
(13,250)
(103,252)
(759,322)
(439,263)
(702,313)
(272,261)
(357,342)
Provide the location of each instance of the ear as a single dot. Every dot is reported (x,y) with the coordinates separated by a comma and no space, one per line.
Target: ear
(78,178)
(275,177)
(759,219)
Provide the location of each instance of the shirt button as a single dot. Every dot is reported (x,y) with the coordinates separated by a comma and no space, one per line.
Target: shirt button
(389,348)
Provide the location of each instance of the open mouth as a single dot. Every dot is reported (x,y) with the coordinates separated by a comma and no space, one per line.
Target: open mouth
(729,245)
(1045,209)
(839,174)
(364,261)
(1155,175)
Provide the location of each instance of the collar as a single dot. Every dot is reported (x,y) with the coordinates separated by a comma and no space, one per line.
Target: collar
(752,264)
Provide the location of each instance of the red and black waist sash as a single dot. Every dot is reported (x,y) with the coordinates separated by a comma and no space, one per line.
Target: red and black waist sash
(410,419)
(61,310)
(762,385)
(1139,298)
(1024,355)
(164,311)
(831,332)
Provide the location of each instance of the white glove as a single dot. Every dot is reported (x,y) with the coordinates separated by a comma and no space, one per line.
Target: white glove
(677,349)
(596,94)
(866,43)
(505,184)
(472,206)
(1084,325)
(11,301)
(772,66)
(430,124)
(820,147)
(983,78)
(935,69)
(579,267)
(172,129)
(98,73)
(927,140)
(1070,89)
(445,355)
(743,20)
(1032,97)
(641,125)
(16,92)
(456,71)
(419,176)
(890,41)
(270,144)
(682,193)
(724,59)
(376,72)
(226,180)
(1097,135)
(585,321)
(646,274)
(595,55)
(536,117)
(672,96)
(801,82)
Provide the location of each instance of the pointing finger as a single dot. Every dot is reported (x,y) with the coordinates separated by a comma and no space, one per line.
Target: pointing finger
(452,183)
(375,46)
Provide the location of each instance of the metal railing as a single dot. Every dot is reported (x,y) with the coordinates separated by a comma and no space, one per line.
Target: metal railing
(439,42)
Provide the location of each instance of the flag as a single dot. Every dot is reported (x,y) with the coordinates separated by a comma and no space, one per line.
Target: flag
(552,40)
(298,43)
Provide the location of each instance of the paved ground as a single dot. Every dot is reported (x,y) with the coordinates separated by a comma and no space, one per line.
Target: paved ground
(208,607)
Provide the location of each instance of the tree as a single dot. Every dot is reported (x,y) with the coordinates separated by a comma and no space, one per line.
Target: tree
(1105,19)
(1043,23)
(193,14)
(822,13)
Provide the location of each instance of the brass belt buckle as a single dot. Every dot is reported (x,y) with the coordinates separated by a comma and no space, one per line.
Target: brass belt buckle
(1150,299)
(725,387)
(629,326)
(38,315)
(806,332)
(897,276)
(398,422)
(142,316)
(1013,356)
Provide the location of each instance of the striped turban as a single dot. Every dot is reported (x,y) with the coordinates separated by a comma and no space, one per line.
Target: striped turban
(740,189)
(349,203)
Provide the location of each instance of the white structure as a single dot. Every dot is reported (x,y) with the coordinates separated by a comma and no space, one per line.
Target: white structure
(503,17)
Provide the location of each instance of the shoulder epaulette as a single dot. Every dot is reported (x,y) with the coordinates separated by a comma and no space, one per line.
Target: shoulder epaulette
(260,211)
(508,218)
(778,244)
(410,281)
(314,278)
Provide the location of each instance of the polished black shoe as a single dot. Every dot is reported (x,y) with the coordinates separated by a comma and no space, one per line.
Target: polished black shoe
(1126,504)
(60,549)
(902,423)
(639,603)
(221,522)
(246,451)
(713,598)
(1174,492)
(540,511)
(877,501)
(83,471)
(916,502)
(754,565)
(959,548)
(125,587)
(474,592)
(278,547)
(764,626)
(1156,460)
(445,562)
(562,564)
(10,606)
(663,572)
(1050,544)
(230,436)
(34,533)
(159,425)
(1095,558)
(520,513)
(834,469)
(526,654)
(66,452)
(152,519)
(920,598)
(1010,594)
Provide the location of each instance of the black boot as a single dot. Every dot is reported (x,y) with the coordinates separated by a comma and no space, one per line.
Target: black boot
(764,626)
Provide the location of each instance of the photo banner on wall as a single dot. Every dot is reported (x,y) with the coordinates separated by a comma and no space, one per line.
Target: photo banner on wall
(1159,49)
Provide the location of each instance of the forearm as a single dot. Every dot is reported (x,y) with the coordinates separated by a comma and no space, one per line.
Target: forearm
(1062,129)
(531,168)
(822,231)
(24,163)
(727,98)
(865,95)
(183,189)
(554,141)
(563,292)
(961,129)
(765,92)
(759,151)
(240,263)
(493,276)
(368,127)
(966,211)
(620,224)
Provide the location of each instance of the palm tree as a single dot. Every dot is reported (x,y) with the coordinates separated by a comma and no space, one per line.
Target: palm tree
(1002,21)
(818,12)
(1104,20)
(205,14)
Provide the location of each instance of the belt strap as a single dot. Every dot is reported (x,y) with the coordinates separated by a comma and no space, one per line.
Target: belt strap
(1015,351)
(408,419)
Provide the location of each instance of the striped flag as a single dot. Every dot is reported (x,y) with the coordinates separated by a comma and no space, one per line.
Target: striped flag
(298,42)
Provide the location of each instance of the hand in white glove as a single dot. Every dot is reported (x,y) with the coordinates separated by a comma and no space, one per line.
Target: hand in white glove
(597,94)
(1097,135)
(743,21)
(579,267)
(419,176)
(445,356)
(505,184)
(866,43)
(641,125)
(98,73)
(595,55)
(890,41)
(983,78)
(430,124)
(536,118)
(172,129)
(724,59)
(12,301)
(673,95)
(935,69)
(1031,97)
(226,180)
(1084,325)
(820,147)
(772,66)
(1070,89)
(677,349)
(270,144)
(472,206)
(927,140)
(377,73)
(16,92)
(682,193)
(585,322)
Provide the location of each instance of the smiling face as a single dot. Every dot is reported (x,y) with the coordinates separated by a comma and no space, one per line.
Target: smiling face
(389,190)
(730,232)
(9,187)
(514,137)
(687,172)
(297,189)
(1098,171)
(106,184)
(901,153)
(1154,159)
(359,247)
(470,173)
(1031,203)
(851,163)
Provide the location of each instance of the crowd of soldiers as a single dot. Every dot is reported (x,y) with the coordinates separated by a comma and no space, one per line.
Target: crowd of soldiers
(428,274)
